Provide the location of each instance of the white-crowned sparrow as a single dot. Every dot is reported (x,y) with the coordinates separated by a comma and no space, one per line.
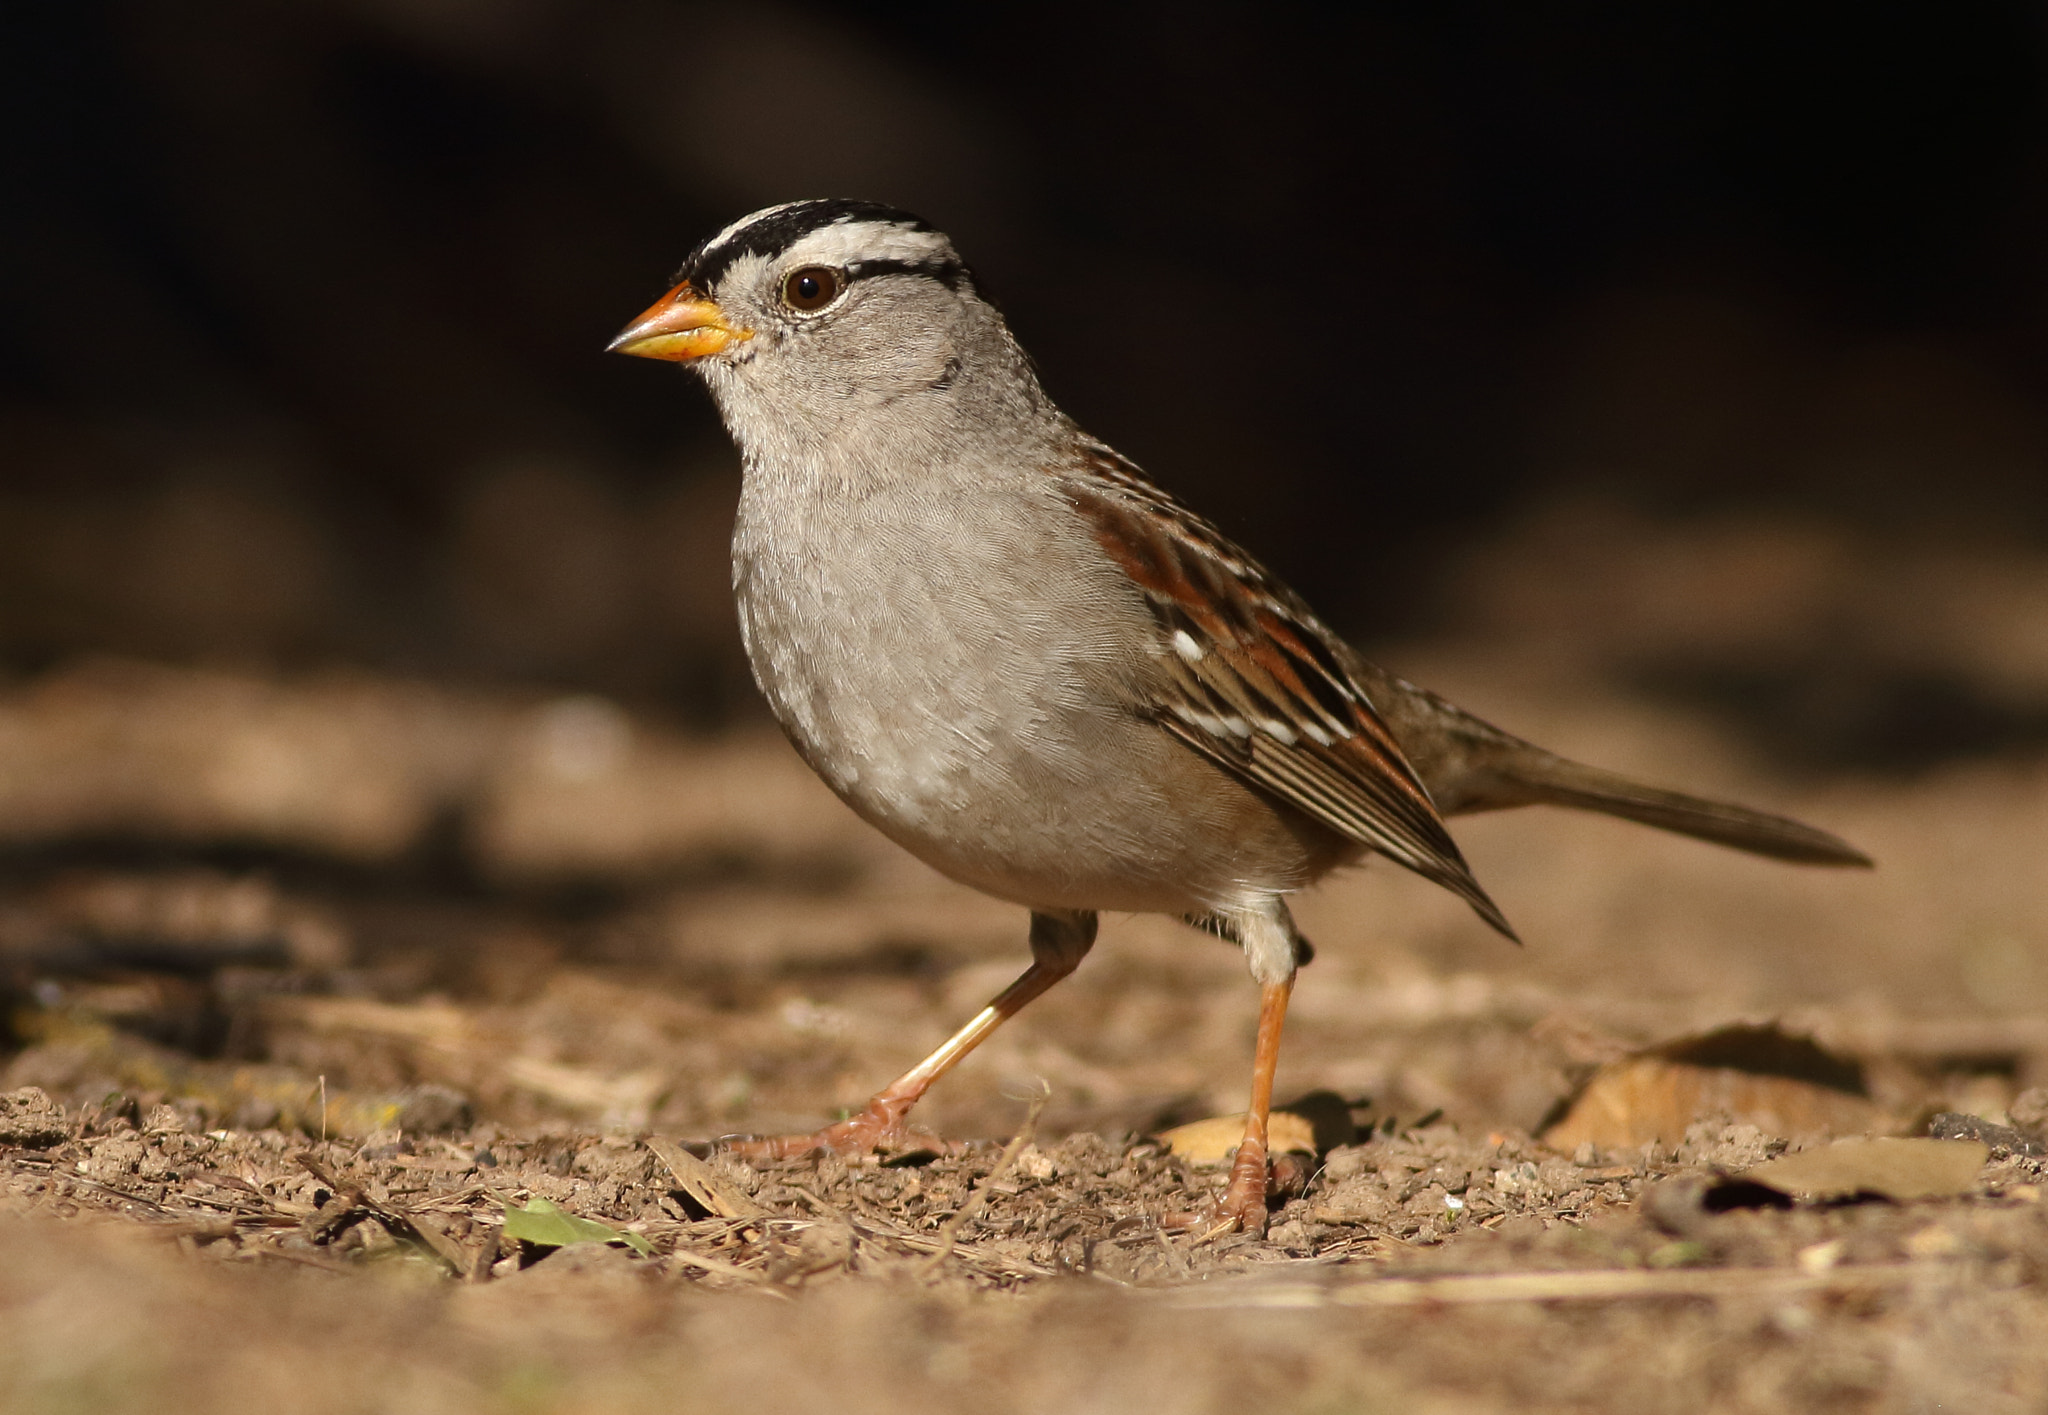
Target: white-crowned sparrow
(1025,663)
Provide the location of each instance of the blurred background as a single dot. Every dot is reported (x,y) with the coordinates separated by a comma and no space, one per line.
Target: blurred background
(303,307)
(1665,381)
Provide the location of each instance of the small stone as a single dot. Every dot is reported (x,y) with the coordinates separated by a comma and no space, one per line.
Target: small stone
(1428,1203)
(1516,1179)
(30,1120)
(1817,1258)
(163,1120)
(1934,1241)
(2029,1109)
(432,1110)
(1358,1201)
(1292,1235)
(113,1158)
(1953,1125)
(1351,1160)
(1036,1163)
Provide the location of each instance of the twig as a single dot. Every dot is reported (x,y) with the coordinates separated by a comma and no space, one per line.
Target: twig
(949,1235)
(716,1267)
(415,1229)
(815,1202)
(1598,1285)
(880,1234)
(453,1200)
(111,1191)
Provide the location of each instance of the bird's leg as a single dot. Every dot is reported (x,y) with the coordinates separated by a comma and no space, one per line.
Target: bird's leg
(1275,950)
(1244,1202)
(1058,944)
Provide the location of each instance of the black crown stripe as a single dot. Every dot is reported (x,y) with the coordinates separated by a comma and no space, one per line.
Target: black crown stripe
(779,230)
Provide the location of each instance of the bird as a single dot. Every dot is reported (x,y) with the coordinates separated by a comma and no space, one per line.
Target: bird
(1018,657)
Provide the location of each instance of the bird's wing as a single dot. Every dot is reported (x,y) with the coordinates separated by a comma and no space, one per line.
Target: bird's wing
(1254,682)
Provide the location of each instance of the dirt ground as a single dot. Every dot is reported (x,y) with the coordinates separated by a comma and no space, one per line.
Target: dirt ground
(312,980)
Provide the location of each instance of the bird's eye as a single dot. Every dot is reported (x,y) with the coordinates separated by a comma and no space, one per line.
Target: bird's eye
(812,288)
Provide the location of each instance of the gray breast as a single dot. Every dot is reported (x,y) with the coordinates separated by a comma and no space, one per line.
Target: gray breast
(922,646)
(970,674)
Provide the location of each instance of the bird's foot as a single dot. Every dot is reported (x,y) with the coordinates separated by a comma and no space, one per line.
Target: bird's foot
(1241,1208)
(880,1129)
(1243,1205)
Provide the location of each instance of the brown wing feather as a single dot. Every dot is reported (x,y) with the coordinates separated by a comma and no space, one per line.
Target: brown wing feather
(1257,685)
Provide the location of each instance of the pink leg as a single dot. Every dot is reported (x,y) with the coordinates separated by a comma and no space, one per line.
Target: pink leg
(1244,1202)
(1058,944)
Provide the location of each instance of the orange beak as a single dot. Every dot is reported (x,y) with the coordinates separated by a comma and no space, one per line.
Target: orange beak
(680,326)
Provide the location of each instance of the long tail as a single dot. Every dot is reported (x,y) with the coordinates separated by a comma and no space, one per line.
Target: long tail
(1470,765)
(1527,775)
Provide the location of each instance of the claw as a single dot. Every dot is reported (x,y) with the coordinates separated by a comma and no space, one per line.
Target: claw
(1241,1208)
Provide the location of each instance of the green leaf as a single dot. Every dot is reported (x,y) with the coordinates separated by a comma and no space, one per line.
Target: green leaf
(1678,1254)
(546,1226)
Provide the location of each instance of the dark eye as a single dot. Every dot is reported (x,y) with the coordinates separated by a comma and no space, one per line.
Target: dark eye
(812,288)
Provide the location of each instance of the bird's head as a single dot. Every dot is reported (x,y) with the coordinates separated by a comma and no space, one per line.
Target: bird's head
(816,311)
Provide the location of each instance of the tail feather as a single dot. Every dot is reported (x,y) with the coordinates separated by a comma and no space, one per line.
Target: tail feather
(1533,776)
(1470,765)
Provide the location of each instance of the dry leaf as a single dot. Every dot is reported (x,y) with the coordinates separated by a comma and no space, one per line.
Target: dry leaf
(1784,1085)
(707,1186)
(1215,1140)
(1890,1168)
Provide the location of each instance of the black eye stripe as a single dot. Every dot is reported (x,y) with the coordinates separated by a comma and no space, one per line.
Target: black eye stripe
(946,271)
(949,273)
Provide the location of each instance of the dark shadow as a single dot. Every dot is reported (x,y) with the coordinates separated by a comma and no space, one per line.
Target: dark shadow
(1867,717)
